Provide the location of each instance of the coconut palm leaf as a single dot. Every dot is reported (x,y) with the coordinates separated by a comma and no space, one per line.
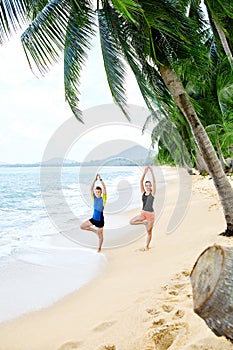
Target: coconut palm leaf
(221,17)
(171,140)
(126,7)
(12,17)
(113,60)
(43,41)
(224,86)
(80,30)
(61,26)
(226,137)
(121,37)
(128,40)
(198,15)
(169,19)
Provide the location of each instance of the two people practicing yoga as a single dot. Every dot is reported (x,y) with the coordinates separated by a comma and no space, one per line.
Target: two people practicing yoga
(146,217)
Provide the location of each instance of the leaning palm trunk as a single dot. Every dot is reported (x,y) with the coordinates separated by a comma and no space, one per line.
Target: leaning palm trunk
(224,42)
(220,179)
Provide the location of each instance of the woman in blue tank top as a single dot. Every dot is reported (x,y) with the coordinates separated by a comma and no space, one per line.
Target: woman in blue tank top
(99,197)
(146,217)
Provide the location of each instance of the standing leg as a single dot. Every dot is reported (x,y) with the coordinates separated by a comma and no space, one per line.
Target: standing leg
(101,238)
(149,228)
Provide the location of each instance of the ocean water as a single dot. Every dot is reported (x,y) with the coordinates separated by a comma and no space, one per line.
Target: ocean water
(28,217)
(39,264)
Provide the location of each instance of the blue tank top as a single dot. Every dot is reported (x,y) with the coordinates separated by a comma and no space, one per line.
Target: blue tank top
(98,208)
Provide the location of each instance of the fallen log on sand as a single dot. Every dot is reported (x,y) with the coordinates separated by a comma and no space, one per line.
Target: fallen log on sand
(212,284)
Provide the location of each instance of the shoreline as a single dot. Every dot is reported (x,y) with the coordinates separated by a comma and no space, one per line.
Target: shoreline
(141,297)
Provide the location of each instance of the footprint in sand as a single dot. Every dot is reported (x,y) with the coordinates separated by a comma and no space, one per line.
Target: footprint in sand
(185,273)
(173,292)
(166,331)
(182,274)
(107,347)
(70,345)
(165,336)
(165,287)
(102,326)
(167,308)
(178,314)
(152,311)
(179,286)
(158,322)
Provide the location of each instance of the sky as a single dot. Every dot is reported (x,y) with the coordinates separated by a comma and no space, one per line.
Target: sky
(33,108)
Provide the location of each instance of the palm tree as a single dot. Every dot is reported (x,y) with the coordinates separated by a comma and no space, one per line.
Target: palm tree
(214,104)
(170,77)
(153,37)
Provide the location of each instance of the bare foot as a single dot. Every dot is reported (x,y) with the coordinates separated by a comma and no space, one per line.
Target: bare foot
(143,249)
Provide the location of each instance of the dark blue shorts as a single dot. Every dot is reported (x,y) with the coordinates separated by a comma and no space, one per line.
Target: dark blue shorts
(96,223)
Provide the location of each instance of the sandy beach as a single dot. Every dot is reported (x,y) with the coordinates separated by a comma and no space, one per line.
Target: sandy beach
(143,299)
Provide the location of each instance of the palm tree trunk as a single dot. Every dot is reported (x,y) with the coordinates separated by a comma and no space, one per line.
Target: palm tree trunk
(224,42)
(223,186)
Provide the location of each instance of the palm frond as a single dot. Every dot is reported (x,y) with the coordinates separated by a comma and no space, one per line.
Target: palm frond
(226,137)
(174,33)
(200,18)
(12,18)
(80,30)
(224,86)
(126,8)
(168,17)
(34,7)
(128,37)
(44,39)
(221,13)
(168,135)
(112,57)
(62,26)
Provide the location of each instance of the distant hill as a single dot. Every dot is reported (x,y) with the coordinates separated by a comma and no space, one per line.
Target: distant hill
(52,162)
(135,153)
(132,156)
(59,161)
